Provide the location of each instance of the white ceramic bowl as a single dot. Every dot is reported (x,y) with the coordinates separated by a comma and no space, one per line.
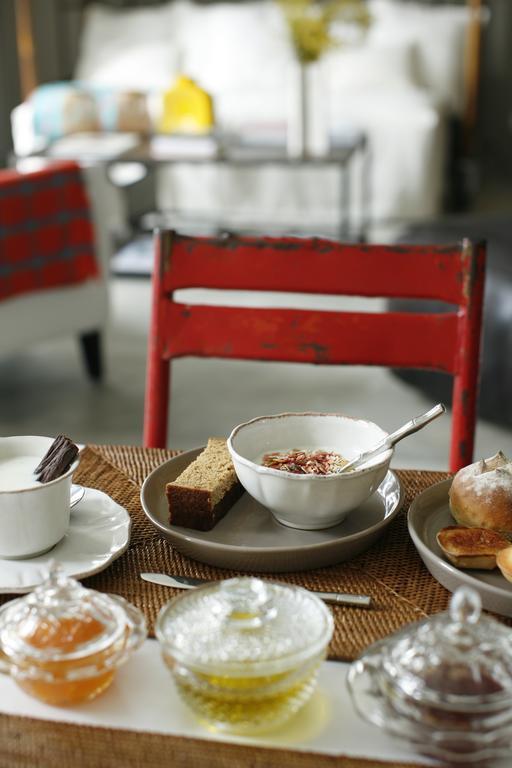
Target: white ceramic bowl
(34,517)
(307,501)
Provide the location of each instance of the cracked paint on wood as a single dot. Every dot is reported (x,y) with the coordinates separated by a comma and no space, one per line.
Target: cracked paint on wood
(445,341)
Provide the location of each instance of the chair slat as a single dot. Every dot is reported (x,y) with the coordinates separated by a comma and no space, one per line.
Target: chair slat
(311,336)
(319,266)
(447,341)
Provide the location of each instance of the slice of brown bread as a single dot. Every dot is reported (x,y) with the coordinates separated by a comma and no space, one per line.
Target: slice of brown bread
(205,490)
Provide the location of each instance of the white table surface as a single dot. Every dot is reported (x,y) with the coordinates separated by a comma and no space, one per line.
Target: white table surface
(143,698)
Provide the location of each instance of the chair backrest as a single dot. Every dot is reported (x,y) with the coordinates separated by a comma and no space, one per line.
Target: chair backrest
(445,341)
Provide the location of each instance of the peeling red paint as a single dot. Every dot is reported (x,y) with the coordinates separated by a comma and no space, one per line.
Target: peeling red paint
(447,341)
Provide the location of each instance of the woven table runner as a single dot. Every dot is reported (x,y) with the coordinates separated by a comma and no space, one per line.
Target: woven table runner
(390,571)
(28,743)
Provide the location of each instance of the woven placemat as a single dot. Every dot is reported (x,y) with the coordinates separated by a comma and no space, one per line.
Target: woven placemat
(388,572)
(391,571)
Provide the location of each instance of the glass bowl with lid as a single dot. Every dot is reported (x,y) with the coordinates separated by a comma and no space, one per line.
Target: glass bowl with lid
(444,684)
(245,653)
(62,643)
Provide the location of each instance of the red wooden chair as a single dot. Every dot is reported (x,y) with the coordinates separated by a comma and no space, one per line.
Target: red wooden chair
(447,341)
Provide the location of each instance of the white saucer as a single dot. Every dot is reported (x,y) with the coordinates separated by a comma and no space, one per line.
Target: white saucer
(99,531)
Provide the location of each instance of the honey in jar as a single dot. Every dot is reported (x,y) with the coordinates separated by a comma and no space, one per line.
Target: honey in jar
(245,653)
(63,643)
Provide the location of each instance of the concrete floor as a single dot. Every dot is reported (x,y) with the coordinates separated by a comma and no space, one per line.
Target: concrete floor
(44,391)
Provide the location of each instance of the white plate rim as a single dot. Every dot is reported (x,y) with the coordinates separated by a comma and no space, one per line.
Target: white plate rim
(79,574)
(215,547)
(465,578)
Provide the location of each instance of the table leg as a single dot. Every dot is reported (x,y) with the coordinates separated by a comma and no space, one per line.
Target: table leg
(366,165)
(344,199)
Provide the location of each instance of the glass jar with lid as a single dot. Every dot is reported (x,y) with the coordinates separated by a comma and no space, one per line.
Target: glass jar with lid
(444,684)
(245,653)
(62,643)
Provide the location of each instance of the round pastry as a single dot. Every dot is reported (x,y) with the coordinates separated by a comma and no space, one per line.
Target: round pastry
(504,562)
(481,494)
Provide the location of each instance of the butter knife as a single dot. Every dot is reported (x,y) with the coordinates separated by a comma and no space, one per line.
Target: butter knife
(185,582)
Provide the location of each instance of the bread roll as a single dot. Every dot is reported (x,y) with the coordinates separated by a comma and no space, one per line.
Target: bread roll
(481,494)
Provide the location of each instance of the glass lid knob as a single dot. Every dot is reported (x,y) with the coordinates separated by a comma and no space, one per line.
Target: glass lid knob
(465,606)
(57,587)
(245,602)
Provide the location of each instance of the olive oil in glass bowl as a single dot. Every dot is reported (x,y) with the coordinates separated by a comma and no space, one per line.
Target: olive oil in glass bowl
(245,653)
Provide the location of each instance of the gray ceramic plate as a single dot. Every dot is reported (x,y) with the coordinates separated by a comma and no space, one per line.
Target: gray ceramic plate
(249,539)
(430,512)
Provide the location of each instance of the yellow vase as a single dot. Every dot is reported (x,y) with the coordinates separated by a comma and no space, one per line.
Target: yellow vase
(186,108)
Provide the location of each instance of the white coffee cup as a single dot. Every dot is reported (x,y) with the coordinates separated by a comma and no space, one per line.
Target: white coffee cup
(34,516)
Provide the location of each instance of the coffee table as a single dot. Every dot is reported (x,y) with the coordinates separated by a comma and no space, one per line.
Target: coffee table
(348,154)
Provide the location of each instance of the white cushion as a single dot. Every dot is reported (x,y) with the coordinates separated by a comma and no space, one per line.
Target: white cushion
(133,49)
(228,46)
(372,65)
(438,32)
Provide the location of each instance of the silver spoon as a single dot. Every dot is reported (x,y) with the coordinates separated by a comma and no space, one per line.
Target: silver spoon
(77,494)
(388,442)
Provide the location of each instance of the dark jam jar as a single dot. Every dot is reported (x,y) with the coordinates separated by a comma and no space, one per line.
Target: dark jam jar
(444,683)
(453,671)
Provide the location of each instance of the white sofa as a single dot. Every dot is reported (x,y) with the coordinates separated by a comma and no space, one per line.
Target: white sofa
(399,84)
